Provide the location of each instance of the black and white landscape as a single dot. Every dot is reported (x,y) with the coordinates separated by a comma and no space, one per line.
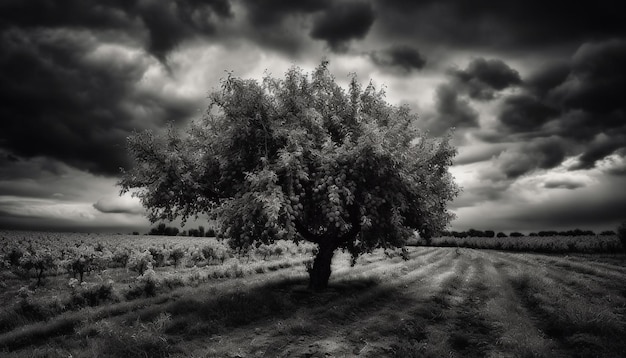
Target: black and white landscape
(285,138)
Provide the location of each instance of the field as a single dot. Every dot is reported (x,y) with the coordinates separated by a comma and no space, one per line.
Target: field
(437,302)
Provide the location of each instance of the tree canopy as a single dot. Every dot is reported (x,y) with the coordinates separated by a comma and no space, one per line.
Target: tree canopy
(299,158)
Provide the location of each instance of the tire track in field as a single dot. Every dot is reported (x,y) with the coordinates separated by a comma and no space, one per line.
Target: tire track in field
(576,278)
(465,332)
(440,324)
(582,268)
(578,326)
(577,285)
(371,333)
(583,281)
(621,267)
(571,284)
(518,334)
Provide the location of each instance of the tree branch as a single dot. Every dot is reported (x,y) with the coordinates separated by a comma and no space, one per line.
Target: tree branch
(306,234)
(353,211)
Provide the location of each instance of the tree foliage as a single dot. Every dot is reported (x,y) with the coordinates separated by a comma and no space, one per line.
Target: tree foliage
(299,158)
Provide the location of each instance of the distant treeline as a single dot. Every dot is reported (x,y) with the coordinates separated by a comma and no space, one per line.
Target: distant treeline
(165,230)
(549,233)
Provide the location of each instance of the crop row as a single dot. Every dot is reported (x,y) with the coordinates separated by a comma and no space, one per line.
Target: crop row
(36,255)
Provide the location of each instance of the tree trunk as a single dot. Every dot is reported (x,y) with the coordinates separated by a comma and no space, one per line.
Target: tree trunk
(320,273)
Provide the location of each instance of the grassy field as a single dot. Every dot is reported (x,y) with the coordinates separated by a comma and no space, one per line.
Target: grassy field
(442,302)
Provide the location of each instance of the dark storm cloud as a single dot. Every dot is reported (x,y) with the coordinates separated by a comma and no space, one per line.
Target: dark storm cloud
(510,25)
(169,24)
(483,78)
(58,101)
(276,24)
(402,57)
(580,101)
(166,23)
(342,22)
(451,112)
(270,13)
(547,77)
(525,113)
(597,81)
(599,148)
(542,153)
(563,183)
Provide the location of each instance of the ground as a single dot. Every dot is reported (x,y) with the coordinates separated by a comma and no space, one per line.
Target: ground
(451,302)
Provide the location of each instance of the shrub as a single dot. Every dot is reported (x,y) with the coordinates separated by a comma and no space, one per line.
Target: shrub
(140,262)
(121,257)
(149,282)
(80,264)
(159,257)
(177,254)
(14,256)
(197,256)
(208,252)
(40,262)
(140,340)
(91,294)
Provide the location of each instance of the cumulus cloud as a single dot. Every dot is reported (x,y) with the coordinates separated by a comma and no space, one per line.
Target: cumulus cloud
(342,22)
(579,101)
(44,208)
(597,80)
(563,183)
(600,147)
(76,98)
(541,153)
(399,57)
(525,113)
(458,23)
(451,111)
(119,204)
(166,25)
(270,13)
(483,78)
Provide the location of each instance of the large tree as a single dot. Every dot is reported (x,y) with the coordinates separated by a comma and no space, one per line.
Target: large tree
(299,158)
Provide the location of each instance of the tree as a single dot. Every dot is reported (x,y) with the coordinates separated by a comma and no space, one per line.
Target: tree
(475,233)
(162,229)
(299,158)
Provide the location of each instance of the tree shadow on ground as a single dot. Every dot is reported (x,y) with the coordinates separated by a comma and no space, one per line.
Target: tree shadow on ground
(202,316)
(359,309)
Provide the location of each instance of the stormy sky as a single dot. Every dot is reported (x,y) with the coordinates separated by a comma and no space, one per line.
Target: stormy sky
(533,89)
